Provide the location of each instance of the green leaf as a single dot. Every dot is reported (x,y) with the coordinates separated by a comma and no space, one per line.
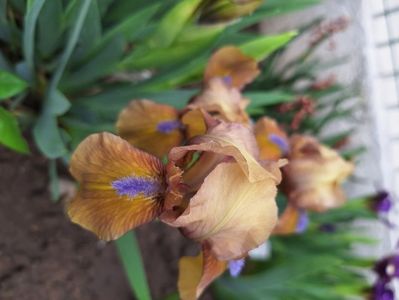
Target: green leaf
(272,8)
(4,63)
(10,85)
(266,98)
(19,5)
(263,46)
(335,139)
(122,94)
(130,25)
(171,56)
(71,44)
(288,6)
(58,104)
(46,132)
(10,135)
(50,27)
(90,33)
(103,6)
(121,10)
(174,22)
(48,136)
(103,63)
(30,21)
(353,153)
(4,29)
(129,253)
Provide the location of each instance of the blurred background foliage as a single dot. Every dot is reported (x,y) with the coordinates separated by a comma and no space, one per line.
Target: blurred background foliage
(67,68)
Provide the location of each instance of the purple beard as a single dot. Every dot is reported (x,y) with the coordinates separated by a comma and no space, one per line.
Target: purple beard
(132,186)
(168,126)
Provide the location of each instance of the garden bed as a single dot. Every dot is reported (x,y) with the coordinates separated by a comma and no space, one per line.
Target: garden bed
(44,256)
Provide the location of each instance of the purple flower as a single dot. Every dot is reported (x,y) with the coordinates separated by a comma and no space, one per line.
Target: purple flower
(382,292)
(388,268)
(382,202)
(303,222)
(236,266)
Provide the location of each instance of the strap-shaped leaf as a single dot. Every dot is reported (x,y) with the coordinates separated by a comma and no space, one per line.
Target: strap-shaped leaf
(263,46)
(174,22)
(129,253)
(46,132)
(191,44)
(30,21)
(4,29)
(50,27)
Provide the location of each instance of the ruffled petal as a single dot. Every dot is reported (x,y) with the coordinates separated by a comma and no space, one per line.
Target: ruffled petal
(230,213)
(196,273)
(272,141)
(176,196)
(152,127)
(233,66)
(229,140)
(120,186)
(222,101)
(313,178)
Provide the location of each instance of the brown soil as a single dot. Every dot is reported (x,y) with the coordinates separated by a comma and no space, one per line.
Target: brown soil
(44,256)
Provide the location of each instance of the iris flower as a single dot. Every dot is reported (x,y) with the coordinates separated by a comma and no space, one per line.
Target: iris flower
(272,140)
(313,177)
(222,101)
(381,291)
(227,205)
(388,268)
(227,72)
(381,203)
(143,121)
(231,65)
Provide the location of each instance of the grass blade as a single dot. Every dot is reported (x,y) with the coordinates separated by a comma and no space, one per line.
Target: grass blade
(47,123)
(31,17)
(129,253)
(73,39)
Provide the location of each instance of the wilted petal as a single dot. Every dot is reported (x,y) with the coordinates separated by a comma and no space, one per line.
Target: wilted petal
(196,273)
(176,196)
(233,66)
(230,140)
(150,126)
(272,141)
(230,213)
(120,186)
(222,101)
(313,178)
